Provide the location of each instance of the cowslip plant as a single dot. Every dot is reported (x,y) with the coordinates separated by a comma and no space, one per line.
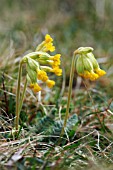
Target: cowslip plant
(38,64)
(87,67)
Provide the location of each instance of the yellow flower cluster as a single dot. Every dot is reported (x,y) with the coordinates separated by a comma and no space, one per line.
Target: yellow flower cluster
(37,66)
(55,64)
(35,87)
(89,75)
(48,43)
(87,66)
(42,75)
(100,72)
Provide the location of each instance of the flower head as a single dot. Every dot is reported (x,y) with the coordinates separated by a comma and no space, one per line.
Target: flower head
(100,72)
(48,43)
(57,71)
(40,62)
(48,38)
(50,83)
(49,47)
(55,60)
(42,75)
(87,66)
(35,87)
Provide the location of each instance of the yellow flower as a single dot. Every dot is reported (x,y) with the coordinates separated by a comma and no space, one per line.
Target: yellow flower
(100,72)
(89,75)
(42,75)
(31,85)
(50,83)
(48,38)
(35,87)
(56,57)
(93,76)
(49,47)
(57,71)
(56,60)
(55,64)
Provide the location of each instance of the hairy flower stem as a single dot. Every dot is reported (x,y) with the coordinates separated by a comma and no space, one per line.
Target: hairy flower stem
(18,96)
(69,91)
(23,94)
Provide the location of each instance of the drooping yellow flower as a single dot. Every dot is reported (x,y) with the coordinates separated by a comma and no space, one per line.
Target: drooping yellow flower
(49,47)
(55,60)
(47,44)
(55,64)
(57,71)
(48,38)
(89,75)
(56,57)
(50,83)
(35,87)
(87,66)
(42,75)
(100,72)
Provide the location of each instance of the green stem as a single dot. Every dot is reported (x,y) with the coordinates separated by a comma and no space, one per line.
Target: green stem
(23,94)
(18,96)
(69,91)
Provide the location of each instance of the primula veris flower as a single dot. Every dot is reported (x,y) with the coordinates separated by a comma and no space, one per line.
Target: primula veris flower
(42,75)
(48,38)
(41,62)
(56,57)
(48,44)
(55,60)
(57,71)
(35,87)
(100,72)
(50,83)
(49,47)
(86,64)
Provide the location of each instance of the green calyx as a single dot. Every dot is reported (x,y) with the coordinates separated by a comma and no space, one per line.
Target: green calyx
(84,50)
(87,63)
(94,62)
(32,74)
(79,65)
(34,65)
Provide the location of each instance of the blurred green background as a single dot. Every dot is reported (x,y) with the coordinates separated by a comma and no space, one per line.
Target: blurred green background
(72,23)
